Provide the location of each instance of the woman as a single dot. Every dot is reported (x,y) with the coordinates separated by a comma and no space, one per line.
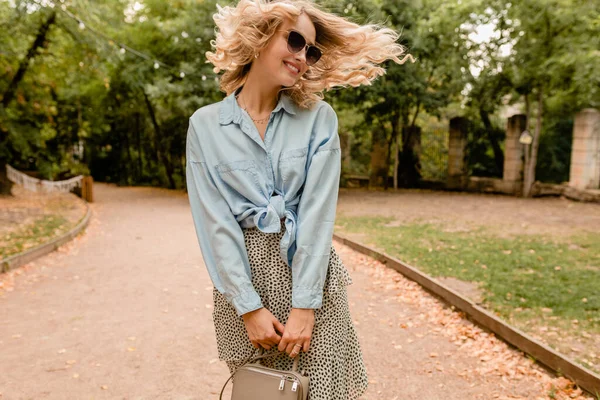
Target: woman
(263,169)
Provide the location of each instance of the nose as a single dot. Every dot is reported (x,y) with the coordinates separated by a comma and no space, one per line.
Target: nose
(301,55)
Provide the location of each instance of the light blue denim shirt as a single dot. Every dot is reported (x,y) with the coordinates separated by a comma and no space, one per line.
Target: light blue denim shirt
(237,180)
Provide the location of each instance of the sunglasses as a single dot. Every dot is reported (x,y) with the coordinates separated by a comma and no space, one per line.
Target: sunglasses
(296,43)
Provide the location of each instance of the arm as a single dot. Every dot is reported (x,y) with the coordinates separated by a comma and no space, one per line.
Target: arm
(220,236)
(316,213)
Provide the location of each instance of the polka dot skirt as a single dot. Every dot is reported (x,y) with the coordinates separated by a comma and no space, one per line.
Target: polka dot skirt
(334,361)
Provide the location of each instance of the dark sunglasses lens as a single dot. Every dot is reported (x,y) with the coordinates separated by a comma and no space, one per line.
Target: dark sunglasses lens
(296,42)
(312,55)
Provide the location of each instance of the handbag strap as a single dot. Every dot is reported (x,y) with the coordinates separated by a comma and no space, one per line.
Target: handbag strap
(253,358)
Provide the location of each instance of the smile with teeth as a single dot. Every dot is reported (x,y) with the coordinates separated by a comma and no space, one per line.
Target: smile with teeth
(291,67)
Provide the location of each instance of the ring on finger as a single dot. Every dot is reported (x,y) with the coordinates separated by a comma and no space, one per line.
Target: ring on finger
(296,349)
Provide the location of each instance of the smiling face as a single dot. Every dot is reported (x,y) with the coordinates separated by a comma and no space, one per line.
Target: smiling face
(276,62)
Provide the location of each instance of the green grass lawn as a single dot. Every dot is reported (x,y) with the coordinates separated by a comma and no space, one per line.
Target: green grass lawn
(42,230)
(530,281)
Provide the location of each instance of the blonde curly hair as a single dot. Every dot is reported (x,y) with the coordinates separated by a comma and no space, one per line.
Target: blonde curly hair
(351,52)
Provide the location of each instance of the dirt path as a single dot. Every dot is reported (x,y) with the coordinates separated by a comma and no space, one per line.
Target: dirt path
(504,215)
(124,312)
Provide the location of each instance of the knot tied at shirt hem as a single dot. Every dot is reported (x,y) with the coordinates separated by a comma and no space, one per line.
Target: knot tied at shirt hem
(268,220)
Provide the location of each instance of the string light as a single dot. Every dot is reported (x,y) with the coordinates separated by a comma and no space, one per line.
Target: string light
(124,48)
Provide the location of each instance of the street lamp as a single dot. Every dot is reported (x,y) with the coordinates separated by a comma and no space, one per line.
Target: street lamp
(526,137)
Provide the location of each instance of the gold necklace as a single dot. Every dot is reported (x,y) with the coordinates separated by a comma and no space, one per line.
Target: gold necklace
(258,121)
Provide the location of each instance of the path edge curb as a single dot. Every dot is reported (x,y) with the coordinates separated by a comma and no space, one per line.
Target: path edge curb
(557,362)
(41,250)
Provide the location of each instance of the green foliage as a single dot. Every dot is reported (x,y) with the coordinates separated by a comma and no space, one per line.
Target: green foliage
(554,157)
(132,117)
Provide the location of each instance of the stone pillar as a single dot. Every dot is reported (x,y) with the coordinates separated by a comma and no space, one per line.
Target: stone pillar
(585,153)
(457,171)
(513,154)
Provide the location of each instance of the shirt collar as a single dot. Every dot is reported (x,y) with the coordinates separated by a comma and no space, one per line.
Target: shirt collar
(231,111)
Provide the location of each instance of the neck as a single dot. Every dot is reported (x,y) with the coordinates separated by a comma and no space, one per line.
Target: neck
(259,98)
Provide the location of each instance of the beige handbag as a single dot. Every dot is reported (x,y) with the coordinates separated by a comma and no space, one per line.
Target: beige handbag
(254,381)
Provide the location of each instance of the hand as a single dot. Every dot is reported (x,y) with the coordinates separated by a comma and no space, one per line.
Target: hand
(298,329)
(260,326)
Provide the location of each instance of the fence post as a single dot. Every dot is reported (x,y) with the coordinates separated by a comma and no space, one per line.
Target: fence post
(87,189)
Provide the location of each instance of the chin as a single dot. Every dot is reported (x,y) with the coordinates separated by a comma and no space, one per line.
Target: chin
(288,82)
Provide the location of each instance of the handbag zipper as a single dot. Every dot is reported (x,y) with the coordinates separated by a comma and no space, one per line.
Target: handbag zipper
(283,378)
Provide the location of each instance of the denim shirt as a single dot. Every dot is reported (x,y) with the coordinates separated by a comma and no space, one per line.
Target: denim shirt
(236,180)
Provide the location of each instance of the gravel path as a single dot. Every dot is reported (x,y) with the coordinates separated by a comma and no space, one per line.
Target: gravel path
(503,215)
(124,312)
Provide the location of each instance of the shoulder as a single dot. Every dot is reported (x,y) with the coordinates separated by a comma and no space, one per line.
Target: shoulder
(324,127)
(200,122)
(322,110)
(321,117)
(325,118)
(206,115)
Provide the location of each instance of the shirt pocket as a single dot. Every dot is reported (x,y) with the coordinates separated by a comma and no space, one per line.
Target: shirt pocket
(292,166)
(241,177)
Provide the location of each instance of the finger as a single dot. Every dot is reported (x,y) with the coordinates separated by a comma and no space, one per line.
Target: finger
(295,351)
(274,341)
(290,348)
(306,346)
(283,343)
(266,346)
(255,344)
(274,336)
(279,326)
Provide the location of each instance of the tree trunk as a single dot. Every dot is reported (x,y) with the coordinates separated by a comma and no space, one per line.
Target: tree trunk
(527,146)
(378,157)
(396,161)
(395,132)
(530,167)
(409,167)
(126,152)
(390,144)
(11,89)
(9,94)
(130,164)
(138,128)
(157,135)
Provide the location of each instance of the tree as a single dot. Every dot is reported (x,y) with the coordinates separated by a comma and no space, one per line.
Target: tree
(549,34)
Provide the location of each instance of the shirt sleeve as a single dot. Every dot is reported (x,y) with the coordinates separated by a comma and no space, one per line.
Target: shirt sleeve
(316,213)
(220,236)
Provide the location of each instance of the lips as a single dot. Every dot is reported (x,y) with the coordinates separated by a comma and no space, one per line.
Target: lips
(292,68)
